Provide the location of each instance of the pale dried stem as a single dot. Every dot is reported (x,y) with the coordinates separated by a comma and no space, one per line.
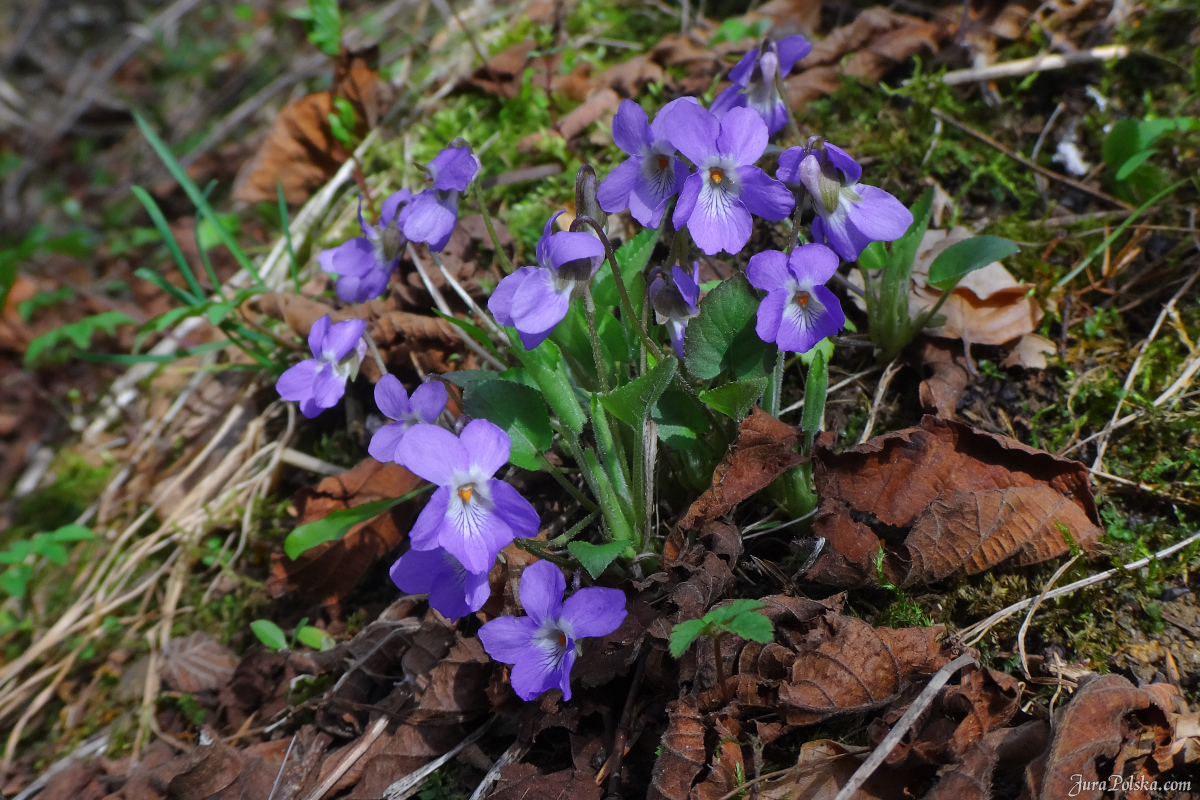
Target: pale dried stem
(880,390)
(1033,610)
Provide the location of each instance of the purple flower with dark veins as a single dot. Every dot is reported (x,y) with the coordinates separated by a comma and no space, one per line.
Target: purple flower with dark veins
(431,215)
(364,264)
(798,310)
(850,215)
(716,202)
(319,382)
(452,590)
(675,302)
(652,174)
(754,80)
(424,406)
(535,299)
(543,646)
(471,515)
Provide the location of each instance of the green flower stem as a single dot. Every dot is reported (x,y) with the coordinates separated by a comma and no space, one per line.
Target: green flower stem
(626,303)
(487,221)
(556,388)
(610,504)
(534,547)
(589,307)
(573,531)
(612,450)
(571,488)
(774,393)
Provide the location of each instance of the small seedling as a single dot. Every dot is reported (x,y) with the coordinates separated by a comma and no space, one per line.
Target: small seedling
(741,618)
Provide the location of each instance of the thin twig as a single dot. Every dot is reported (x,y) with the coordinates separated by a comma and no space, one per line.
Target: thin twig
(621,737)
(900,729)
(880,391)
(408,785)
(515,752)
(350,757)
(1039,63)
(444,307)
(1033,165)
(1033,610)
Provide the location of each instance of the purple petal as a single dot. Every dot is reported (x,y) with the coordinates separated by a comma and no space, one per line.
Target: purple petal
(808,172)
(429,400)
(352,289)
(743,135)
(487,445)
(508,639)
(740,74)
(391,206)
(424,533)
(310,408)
(515,510)
(659,128)
(384,442)
(327,387)
(537,307)
(837,232)
(789,165)
(341,338)
(774,116)
(474,539)
(614,191)
(763,195)
(879,217)
(543,241)
(687,201)
(768,270)
(537,671)
(459,592)
(719,222)
(630,129)
(731,97)
(391,398)
(500,303)
(770,313)
(799,334)
(433,453)
(428,220)
(564,673)
(677,330)
(693,131)
(316,335)
(844,162)
(813,264)
(791,49)
(688,285)
(295,384)
(541,590)
(647,211)
(355,257)
(418,571)
(569,246)
(594,612)
(454,168)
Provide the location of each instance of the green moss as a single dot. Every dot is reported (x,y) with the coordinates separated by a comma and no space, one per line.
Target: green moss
(78,484)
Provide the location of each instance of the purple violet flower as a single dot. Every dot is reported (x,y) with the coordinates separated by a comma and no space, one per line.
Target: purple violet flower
(452,590)
(364,264)
(431,215)
(471,515)
(543,646)
(535,299)
(754,80)
(849,215)
(319,382)
(675,302)
(798,310)
(716,202)
(425,405)
(652,174)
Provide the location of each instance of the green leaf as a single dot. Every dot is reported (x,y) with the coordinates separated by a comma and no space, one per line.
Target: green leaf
(633,402)
(734,399)
(269,634)
(681,420)
(164,230)
(16,552)
(71,533)
(334,526)
(753,626)
(43,299)
(632,258)
(723,338)
(683,634)
(595,558)
(1133,163)
(466,377)
(207,234)
(823,348)
(312,637)
(473,330)
(545,366)
(731,30)
(874,256)
(77,333)
(967,256)
(178,294)
(15,579)
(1122,143)
(814,398)
(326,32)
(723,614)
(904,249)
(45,546)
(520,411)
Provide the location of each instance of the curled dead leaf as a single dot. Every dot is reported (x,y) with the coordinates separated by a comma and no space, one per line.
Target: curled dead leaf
(196,663)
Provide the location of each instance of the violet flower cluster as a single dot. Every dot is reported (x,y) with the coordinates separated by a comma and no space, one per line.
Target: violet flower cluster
(754,80)
(318,383)
(431,216)
(366,263)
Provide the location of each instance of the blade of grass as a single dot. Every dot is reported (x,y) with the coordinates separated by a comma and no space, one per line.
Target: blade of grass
(168,287)
(164,230)
(165,358)
(204,259)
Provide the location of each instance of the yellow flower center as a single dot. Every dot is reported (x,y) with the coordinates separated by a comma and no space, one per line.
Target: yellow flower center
(716,175)
(562,639)
(663,161)
(802,298)
(465,492)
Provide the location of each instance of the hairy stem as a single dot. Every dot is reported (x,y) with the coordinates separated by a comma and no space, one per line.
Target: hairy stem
(505,264)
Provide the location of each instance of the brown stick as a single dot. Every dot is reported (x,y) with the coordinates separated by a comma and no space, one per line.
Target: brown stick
(622,735)
(1033,165)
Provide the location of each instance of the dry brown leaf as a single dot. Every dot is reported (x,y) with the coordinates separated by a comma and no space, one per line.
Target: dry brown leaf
(822,769)
(502,75)
(331,570)
(789,17)
(763,452)
(600,104)
(1030,352)
(971,778)
(971,501)
(683,753)
(300,152)
(196,663)
(940,392)
(630,78)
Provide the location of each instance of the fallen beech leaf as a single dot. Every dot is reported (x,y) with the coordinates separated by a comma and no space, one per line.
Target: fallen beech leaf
(763,452)
(300,152)
(789,17)
(971,501)
(332,569)
(1093,728)
(683,753)
(629,78)
(196,663)
(599,104)
(679,48)
(1030,352)
(971,778)
(258,686)
(503,73)
(940,391)
(822,769)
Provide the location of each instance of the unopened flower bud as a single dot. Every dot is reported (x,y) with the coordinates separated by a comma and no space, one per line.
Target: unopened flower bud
(586,204)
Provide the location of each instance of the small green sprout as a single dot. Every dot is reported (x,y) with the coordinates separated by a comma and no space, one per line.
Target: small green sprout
(741,618)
